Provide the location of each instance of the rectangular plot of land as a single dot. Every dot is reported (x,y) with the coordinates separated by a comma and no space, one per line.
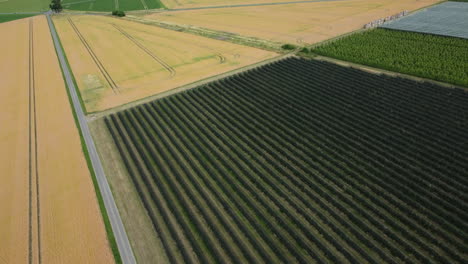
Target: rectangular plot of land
(48,207)
(294,23)
(447,19)
(302,161)
(116,61)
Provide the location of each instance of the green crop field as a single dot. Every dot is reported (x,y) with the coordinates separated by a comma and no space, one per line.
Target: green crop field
(424,55)
(12,6)
(110,5)
(6,18)
(301,162)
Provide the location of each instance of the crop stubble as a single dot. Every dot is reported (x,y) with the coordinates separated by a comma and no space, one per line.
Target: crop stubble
(49,208)
(294,23)
(143,60)
(202,3)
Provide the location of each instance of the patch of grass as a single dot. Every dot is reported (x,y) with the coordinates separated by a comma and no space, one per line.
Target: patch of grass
(213,34)
(288,47)
(6,18)
(105,217)
(423,55)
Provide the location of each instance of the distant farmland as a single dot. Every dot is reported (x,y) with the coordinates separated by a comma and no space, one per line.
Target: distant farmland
(300,162)
(446,19)
(294,23)
(435,57)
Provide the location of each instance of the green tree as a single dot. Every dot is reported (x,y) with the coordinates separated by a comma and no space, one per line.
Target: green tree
(56,6)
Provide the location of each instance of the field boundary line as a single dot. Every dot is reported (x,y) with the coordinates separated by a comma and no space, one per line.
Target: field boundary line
(36,164)
(95,58)
(103,190)
(78,2)
(242,5)
(95,115)
(33,161)
(30,254)
(166,66)
(374,70)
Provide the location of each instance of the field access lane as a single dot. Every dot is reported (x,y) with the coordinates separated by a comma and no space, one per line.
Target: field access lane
(117,226)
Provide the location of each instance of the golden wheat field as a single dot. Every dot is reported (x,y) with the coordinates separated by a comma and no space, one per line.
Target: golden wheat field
(49,208)
(201,3)
(116,61)
(293,23)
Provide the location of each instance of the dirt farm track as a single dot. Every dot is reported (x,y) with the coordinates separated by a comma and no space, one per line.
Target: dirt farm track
(49,208)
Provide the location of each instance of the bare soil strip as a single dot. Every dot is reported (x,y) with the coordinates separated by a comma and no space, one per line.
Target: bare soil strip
(166,66)
(96,60)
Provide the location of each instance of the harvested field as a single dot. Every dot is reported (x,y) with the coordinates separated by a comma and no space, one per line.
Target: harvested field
(174,4)
(446,19)
(303,161)
(116,61)
(295,23)
(48,203)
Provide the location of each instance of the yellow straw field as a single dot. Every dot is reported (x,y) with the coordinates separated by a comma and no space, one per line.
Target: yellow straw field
(116,61)
(201,3)
(49,210)
(293,23)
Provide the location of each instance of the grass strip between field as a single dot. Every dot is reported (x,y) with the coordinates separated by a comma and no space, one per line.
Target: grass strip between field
(213,34)
(102,208)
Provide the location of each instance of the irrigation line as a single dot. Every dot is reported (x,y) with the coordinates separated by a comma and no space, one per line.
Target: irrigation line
(166,66)
(96,60)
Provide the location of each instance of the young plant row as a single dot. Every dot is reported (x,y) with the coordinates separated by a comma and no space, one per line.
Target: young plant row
(299,162)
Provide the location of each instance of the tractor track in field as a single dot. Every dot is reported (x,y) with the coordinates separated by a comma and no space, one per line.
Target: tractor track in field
(96,60)
(166,66)
(222,59)
(33,161)
(30,255)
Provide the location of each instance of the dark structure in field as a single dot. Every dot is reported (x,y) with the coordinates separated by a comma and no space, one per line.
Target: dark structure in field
(446,19)
(303,161)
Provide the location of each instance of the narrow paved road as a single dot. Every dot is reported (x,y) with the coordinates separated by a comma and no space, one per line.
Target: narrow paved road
(119,231)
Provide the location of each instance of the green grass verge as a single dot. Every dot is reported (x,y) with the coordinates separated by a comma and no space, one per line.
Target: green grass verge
(434,57)
(105,217)
(6,18)
(83,106)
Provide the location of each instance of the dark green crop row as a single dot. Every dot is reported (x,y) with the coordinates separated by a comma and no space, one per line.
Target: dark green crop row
(303,161)
(435,57)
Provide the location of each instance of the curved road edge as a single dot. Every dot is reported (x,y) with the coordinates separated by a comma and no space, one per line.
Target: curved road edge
(120,234)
